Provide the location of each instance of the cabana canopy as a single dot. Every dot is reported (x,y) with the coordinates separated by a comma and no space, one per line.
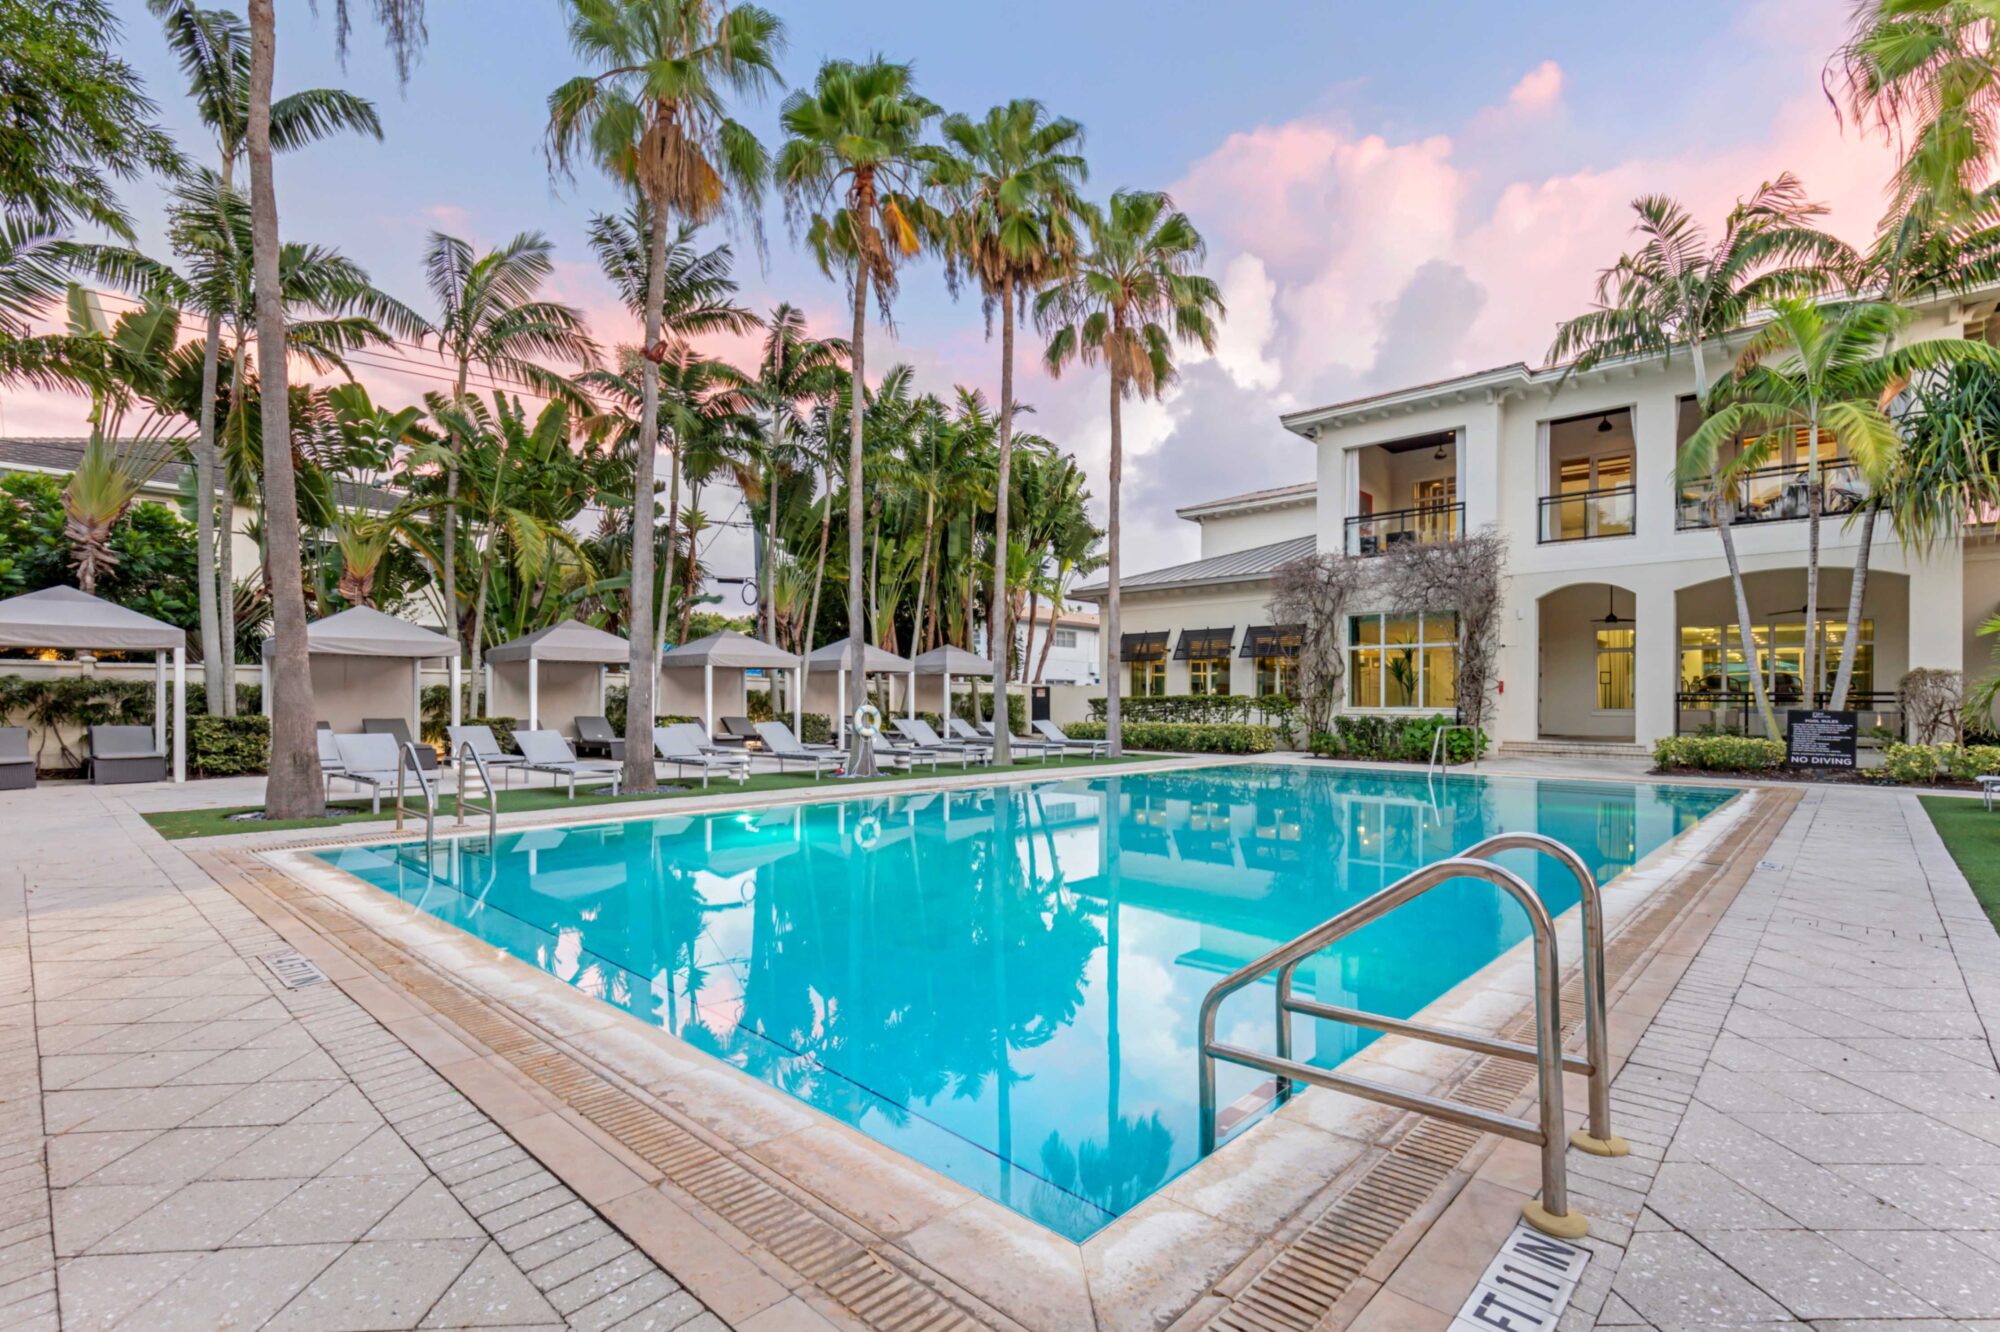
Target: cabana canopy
(731,651)
(874,661)
(565,647)
(946,662)
(65,617)
(728,648)
(362,631)
(568,641)
(68,617)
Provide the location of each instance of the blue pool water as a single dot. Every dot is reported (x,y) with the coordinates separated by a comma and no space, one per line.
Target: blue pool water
(1002,982)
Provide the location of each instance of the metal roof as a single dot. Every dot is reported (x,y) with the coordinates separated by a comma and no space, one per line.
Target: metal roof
(1235,567)
(1270,495)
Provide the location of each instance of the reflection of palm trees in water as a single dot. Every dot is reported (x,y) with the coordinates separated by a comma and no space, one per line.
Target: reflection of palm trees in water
(1113,1174)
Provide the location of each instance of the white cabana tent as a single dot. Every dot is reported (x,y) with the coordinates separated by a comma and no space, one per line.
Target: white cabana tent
(357,659)
(563,665)
(64,617)
(948,662)
(835,656)
(729,652)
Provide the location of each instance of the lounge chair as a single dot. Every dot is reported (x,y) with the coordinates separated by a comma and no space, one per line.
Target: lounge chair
(399,730)
(17,765)
(919,733)
(369,759)
(673,745)
(737,731)
(1048,730)
(483,744)
(545,751)
(779,743)
(595,736)
(965,730)
(121,754)
(900,751)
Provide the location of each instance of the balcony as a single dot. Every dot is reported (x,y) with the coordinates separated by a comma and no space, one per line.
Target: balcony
(1425,525)
(1586,515)
(1775,495)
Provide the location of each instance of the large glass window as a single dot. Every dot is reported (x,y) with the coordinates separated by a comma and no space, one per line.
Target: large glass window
(1208,675)
(1713,660)
(1402,661)
(1278,675)
(1149,679)
(1614,670)
(1065,638)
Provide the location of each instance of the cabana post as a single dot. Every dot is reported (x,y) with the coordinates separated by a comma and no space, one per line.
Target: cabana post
(577,655)
(874,661)
(946,663)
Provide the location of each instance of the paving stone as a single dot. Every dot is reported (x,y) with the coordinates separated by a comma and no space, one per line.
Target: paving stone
(378,1285)
(491,1292)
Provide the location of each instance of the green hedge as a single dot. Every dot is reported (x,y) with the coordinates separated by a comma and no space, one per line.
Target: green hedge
(228,746)
(1395,739)
(1718,753)
(1275,710)
(1185,737)
(1923,765)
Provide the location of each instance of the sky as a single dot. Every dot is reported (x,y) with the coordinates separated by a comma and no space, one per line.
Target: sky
(1390,193)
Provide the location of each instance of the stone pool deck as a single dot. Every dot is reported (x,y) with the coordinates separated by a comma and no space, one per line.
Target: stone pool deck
(1811,1093)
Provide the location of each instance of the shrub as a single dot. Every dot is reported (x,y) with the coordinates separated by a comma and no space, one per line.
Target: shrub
(1201,709)
(1718,753)
(1187,737)
(1966,763)
(1921,765)
(1395,739)
(228,746)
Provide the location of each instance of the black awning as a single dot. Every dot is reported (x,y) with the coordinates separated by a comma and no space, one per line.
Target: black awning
(1273,640)
(1143,647)
(1205,644)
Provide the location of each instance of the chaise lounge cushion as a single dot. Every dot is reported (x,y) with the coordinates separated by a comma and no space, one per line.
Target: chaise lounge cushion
(400,729)
(17,765)
(121,754)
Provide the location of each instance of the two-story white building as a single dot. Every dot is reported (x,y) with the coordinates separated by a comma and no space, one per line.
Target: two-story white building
(1619,623)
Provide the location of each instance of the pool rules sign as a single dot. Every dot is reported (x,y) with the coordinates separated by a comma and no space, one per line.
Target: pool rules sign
(1818,739)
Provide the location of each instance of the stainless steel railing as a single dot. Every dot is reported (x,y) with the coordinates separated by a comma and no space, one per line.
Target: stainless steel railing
(1552,1213)
(491,809)
(407,761)
(1441,752)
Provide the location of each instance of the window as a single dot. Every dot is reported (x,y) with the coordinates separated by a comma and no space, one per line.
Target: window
(1278,675)
(1208,675)
(1065,638)
(1713,660)
(1614,670)
(1402,661)
(1149,679)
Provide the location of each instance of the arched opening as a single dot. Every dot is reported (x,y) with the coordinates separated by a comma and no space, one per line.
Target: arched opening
(1587,679)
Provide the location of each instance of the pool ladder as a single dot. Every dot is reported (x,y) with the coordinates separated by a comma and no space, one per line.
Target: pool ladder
(407,762)
(1441,750)
(1552,1213)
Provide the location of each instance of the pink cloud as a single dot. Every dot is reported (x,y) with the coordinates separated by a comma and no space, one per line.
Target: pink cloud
(1539,89)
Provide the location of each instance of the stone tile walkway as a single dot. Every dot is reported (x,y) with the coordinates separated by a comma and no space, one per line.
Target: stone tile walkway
(1815,1112)
(186,1143)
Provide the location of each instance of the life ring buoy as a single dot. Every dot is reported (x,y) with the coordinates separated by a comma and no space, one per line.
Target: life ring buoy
(868,720)
(867,833)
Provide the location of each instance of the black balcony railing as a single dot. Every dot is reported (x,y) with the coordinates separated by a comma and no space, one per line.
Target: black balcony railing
(1587,514)
(1425,525)
(1735,711)
(1776,494)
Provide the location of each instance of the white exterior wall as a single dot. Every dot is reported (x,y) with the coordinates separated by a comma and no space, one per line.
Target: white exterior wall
(1227,533)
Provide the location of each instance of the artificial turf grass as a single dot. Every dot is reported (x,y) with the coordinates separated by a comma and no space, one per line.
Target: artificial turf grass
(1972,834)
(181,824)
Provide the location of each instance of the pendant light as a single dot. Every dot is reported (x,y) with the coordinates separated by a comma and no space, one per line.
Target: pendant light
(1604,424)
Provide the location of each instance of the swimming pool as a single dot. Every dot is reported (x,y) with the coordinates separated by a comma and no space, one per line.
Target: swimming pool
(1001,982)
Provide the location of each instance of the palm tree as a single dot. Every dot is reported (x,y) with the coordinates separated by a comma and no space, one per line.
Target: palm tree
(654,118)
(1130,297)
(1817,367)
(491,314)
(850,164)
(793,371)
(213,49)
(1011,180)
(1680,291)
(294,788)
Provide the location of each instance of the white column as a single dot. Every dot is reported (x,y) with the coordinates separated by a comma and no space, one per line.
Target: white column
(798,707)
(486,670)
(602,672)
(1656,668)
(416,697)
(160,699)
(910,699)
(708,696)
(534,695)
(180,714)
(264,683)
(840,703)
(457,705)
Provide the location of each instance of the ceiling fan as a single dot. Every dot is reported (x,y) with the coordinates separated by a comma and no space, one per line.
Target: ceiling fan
(1611,615)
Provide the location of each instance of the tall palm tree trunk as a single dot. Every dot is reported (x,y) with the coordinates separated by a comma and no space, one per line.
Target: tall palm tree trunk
(1809,681)
(860,748)
(225,553)
(1856,589)
(767,605)
(216,676)
(1116,743)
(1724,511)
(673,545)
(642,666)
(923,575)
(999,632)
(294,789)
(811,626)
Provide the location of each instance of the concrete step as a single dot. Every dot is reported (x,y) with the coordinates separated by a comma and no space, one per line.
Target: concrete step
(1621,749)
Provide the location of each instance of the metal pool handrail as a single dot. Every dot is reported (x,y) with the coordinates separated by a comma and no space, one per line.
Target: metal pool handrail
(1441,751)
(407,761)
(1552,1213)
(492,807)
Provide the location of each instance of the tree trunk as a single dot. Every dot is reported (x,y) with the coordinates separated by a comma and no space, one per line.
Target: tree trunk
(811,626)
(1116,745)
(1809,676)
(642,666)
(216,676)
(999,632)
(768,604)
(225,554)
(860,748)
(1724,511)
(1856,589)
(673,546)
(448,536)
(295,788)
(923,574)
